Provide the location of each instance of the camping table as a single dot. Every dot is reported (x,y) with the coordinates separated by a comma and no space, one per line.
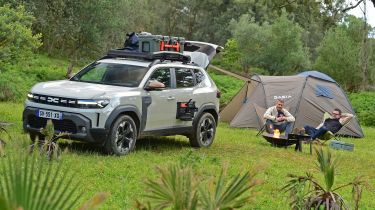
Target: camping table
(283,141)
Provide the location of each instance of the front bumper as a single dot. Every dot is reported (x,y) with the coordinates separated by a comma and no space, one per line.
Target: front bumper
(77,126)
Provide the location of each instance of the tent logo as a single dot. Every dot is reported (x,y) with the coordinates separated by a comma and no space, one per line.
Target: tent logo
(282,97)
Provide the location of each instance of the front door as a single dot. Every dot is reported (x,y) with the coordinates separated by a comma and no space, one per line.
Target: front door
(161,113)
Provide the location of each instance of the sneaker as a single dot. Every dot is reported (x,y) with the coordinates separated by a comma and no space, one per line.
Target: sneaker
(302,131)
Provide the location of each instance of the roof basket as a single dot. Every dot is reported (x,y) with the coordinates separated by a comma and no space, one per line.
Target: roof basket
(163,55)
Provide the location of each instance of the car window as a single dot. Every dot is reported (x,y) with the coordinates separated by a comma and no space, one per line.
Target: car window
(112,74)
(184,78)
(162,75)
(95,74)
(199,76)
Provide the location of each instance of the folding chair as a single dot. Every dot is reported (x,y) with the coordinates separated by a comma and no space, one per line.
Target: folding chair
(329,135)
(260,111)
(262,129)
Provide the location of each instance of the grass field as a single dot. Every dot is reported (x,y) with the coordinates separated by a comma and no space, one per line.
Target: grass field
(239,149)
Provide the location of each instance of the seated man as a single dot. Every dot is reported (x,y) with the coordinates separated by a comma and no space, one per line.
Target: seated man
(333,124)
(278,118)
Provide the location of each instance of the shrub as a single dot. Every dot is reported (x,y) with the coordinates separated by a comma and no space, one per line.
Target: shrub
(18,78)
(364,106)
(16,38)
(227,85)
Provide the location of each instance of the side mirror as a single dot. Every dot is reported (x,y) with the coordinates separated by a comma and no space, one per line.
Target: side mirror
(154,85)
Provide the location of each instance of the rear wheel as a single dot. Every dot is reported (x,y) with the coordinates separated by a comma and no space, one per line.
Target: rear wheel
(122,136)
(203,131)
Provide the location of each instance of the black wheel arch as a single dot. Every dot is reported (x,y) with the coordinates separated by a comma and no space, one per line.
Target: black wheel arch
(210,108)
(131,111)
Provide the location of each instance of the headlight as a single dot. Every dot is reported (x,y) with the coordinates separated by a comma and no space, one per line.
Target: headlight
(93,103)
(30,96)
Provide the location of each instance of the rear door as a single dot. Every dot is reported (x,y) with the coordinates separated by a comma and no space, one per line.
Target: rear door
(184,84)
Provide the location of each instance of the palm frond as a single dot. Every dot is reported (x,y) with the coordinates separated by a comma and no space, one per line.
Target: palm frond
(229,195)
(26,184)
(175,189)
(316,196)
(326,165)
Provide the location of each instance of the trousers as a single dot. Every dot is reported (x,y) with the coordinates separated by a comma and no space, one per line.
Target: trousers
(285,126)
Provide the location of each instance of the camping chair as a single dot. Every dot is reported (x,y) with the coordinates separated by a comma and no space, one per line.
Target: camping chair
(329,135)
(262,129)
(260,112)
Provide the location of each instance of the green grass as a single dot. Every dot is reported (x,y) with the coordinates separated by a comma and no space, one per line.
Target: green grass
(229,86)
(239,149)
(25,74)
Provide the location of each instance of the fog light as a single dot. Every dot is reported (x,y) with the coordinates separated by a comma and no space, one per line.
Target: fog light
(83,129)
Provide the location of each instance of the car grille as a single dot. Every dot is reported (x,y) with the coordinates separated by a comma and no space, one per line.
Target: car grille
(59,125)
(53,100)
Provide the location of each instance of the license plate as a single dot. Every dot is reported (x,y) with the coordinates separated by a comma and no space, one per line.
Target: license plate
(50,114)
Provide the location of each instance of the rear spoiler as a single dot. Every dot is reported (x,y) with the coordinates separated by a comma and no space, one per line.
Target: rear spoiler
(201,53)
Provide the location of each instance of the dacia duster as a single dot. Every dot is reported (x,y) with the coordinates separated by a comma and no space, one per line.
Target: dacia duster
(126,95)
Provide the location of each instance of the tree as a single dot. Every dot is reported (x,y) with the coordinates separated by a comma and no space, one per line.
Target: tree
(87,29)
(340,54)
(16,38)
(275,47)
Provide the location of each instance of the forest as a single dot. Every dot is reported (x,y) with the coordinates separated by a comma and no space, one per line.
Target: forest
(269,37)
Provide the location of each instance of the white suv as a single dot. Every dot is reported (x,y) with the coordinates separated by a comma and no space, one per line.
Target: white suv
(127,95)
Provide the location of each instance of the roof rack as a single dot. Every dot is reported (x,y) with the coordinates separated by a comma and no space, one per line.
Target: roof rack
(162,55)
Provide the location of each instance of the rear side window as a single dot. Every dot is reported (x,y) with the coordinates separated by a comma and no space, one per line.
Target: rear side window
(184,78)
(199,76)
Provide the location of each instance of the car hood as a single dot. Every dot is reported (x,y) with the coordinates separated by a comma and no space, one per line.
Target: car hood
(81,90)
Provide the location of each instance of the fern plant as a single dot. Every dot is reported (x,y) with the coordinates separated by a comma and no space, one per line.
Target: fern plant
(179,188)
(306,192)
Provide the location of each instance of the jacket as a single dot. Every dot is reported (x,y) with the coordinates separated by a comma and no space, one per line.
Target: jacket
(271,114)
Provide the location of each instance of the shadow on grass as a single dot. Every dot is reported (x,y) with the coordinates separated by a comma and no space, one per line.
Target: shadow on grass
(162,144)
(150,144)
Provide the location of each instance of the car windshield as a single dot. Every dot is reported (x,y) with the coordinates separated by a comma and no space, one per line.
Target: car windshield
(112,74)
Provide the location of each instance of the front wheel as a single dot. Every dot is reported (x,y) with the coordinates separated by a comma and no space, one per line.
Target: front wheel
(203,131)
(122,136)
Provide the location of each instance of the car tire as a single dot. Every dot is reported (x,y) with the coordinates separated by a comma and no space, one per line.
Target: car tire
(34,136)
(203,131)
(122,136)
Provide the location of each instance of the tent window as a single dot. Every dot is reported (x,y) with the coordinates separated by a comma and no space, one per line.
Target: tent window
(324,91)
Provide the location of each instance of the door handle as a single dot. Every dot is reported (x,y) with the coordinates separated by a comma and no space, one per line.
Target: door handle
(171,98)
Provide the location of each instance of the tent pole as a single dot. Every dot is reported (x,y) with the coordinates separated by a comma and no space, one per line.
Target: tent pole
(299,102)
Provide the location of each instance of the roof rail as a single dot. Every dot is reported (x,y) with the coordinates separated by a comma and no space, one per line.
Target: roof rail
(162,55)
